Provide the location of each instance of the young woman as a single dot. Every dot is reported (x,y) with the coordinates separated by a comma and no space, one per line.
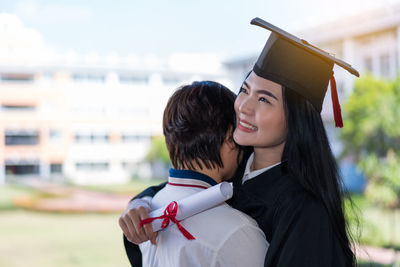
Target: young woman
(290,182)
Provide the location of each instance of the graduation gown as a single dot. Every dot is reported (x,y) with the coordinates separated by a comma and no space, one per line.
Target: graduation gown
(295,224)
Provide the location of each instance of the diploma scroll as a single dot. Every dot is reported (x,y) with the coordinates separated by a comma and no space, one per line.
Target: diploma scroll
(196,203)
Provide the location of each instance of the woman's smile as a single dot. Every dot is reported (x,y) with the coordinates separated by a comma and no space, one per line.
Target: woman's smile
(246,126)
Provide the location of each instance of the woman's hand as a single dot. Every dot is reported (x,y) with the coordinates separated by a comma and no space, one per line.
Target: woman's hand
(137,210)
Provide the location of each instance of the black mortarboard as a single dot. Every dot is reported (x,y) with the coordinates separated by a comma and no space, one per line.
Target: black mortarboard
(296,64)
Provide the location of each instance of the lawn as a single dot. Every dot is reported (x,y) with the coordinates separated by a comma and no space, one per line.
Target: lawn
(38,239)
(9,192)
(47,240)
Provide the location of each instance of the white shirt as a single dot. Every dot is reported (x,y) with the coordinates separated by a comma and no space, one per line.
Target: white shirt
(248,174)
(223,236)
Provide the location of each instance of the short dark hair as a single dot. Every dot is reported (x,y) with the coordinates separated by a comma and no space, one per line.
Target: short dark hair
(196,121)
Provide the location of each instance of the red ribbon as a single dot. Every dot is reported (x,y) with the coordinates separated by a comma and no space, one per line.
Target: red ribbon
(337,114)
(169,215)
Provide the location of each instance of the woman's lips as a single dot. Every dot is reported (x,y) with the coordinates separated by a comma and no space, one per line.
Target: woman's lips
(246,126)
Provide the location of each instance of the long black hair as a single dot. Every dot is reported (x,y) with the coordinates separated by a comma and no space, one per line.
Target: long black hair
(310,159)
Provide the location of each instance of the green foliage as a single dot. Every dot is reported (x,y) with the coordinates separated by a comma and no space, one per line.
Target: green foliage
(158,150)
(372,136)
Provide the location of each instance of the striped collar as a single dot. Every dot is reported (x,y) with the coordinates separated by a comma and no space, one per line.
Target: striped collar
(189,178)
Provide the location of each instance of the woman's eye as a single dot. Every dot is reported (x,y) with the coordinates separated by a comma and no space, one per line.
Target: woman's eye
(263,99)
(242,90)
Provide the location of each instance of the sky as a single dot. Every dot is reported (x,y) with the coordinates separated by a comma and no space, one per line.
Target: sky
(164,27)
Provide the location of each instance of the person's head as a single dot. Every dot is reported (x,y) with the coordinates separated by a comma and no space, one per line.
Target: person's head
(198,124)
(260,114)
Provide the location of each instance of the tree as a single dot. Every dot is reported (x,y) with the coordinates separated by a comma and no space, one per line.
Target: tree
(158,150)
(372,135)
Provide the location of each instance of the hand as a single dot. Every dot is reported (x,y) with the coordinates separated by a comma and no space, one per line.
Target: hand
(137,210)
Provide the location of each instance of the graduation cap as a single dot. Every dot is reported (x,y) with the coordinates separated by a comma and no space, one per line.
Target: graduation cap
(296,64)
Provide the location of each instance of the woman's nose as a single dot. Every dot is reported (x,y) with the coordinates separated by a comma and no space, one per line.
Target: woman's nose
(245,106)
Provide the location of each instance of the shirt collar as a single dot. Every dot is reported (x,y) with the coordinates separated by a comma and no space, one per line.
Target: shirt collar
(248,174)
(188,178)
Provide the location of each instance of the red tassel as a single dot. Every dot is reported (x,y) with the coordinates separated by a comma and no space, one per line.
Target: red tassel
(337,113)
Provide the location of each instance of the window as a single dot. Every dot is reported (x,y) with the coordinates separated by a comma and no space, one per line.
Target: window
(99,138)
(141,79)
(385,65)
(83,77)
(368,64)
(91,138)
(12,108)
(16,77)
(129,166)
(56,168)
(128,138)
(55,135)
(92,166)
(22,167)
(21,137)
(81,138)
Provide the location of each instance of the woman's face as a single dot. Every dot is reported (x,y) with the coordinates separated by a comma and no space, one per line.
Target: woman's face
(260,115)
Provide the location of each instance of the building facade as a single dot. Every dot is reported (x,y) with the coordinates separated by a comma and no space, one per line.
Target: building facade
(89,122)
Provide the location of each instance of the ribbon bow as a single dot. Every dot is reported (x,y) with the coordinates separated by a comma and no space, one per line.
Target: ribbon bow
(169,215)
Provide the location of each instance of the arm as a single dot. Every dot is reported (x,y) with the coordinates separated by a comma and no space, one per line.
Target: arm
(138,209)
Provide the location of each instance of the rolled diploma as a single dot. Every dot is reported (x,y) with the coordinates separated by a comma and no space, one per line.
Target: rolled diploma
(196,203)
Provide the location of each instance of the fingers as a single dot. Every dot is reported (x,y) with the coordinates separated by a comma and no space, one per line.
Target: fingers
(136,216)
(127,227)
(124,227)
(147,228)
(129,223)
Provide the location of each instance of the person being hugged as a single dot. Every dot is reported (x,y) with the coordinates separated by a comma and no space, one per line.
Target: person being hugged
(198,125)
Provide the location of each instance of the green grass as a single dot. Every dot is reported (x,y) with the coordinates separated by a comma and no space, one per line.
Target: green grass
(48,240)
(80,240)
(9,192)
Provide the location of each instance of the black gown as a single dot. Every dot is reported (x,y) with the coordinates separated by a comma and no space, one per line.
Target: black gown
(295,224)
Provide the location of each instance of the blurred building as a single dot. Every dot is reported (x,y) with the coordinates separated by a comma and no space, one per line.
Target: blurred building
(83,118)
(90,119)
(88,123)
